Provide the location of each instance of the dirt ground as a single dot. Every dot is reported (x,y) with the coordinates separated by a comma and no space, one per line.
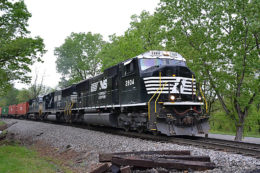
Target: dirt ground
(3,127)
(67,158)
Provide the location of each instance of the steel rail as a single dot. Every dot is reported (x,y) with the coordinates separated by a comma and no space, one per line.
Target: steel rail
(243,148)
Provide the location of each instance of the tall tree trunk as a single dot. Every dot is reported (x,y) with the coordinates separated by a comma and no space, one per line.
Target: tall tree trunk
(240,126)
(239,132)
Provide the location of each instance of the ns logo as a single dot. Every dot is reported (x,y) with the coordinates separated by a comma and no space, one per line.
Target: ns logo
(100,85)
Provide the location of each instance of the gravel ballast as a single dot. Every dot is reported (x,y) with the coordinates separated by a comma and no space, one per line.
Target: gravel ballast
(92,143)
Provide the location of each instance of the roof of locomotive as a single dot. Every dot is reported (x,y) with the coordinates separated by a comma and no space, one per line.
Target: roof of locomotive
(149,55)
(157,54)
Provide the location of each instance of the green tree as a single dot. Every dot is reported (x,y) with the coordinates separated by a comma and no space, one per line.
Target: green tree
(143,35)
(10,97)
(23,95)
(120,49)
(76,58)
(222,40)
(17,50)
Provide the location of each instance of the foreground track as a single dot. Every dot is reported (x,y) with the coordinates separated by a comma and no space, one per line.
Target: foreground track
(247,149)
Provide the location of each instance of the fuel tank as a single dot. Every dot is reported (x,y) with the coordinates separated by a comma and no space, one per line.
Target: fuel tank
(103,119)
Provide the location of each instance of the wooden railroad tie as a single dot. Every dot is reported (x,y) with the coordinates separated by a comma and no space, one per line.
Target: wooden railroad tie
(126,162)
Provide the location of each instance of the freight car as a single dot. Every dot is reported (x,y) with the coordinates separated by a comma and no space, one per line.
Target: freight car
(22,109)
(5,111)
(154,91)
(12,110)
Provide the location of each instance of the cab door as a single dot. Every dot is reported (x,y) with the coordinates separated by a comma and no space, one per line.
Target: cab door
(129,90)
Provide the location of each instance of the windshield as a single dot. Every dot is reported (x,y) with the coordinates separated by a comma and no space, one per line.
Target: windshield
(147,63)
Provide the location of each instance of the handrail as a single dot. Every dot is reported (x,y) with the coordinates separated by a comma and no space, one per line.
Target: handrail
(149,112)
(72,103)
(159,96)
(204,100)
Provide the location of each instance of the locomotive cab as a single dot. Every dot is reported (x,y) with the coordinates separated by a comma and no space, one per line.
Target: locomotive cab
(174,103)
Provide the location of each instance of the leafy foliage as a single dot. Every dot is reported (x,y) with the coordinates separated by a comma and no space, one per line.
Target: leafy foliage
(23,95)
(222,40)
(143,35)
(17,50)
(76,58)
(10,97)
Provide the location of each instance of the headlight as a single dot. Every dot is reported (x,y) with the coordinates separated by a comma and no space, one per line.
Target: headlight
(172,97)
(199,98)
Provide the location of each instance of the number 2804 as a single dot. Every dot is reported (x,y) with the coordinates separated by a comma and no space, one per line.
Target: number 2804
(129,82)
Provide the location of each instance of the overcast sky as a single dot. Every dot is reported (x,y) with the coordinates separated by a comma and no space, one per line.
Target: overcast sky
(54,20)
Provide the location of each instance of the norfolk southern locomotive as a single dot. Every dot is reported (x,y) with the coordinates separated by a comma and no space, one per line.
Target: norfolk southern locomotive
(154,91)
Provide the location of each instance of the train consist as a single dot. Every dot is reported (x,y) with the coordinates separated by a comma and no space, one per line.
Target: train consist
(154,91)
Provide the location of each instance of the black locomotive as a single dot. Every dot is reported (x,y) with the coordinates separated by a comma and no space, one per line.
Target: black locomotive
(154,91)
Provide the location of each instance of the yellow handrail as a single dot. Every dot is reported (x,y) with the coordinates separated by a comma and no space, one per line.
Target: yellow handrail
(192,87)
(204,100)
(149,103)
(149,112)
(159,96)
(71,108)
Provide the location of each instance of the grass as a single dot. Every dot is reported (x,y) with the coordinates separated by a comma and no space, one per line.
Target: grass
(19,159)
(1,123)
(233,133)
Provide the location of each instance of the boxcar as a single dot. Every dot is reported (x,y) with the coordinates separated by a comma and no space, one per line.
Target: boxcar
(12,110)
(5,111)
(22,109)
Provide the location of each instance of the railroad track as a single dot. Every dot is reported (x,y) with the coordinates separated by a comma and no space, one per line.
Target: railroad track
(247,149)
(244,148)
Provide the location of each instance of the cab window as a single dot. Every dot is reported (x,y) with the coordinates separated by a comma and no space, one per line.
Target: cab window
(129,68)
(147,63)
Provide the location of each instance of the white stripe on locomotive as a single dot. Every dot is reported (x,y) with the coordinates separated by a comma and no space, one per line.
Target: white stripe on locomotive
(152,84)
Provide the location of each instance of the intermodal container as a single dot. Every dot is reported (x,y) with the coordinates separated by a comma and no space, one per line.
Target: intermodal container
(5,110)
(22,108)
(12,110)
